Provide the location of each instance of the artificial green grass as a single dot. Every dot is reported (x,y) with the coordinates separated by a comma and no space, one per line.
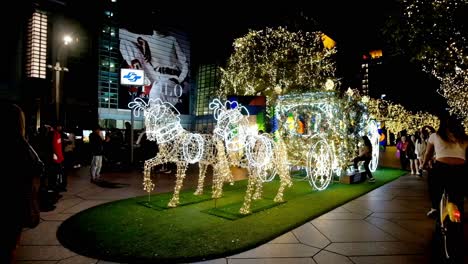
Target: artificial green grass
(231,211)
(159,202)
(125,231)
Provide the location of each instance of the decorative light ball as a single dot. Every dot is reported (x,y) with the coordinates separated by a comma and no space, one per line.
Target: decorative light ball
(365,99)
(329,85)
(278,90)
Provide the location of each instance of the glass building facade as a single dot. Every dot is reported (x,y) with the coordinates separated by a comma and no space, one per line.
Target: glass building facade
(208,81)
(109,66)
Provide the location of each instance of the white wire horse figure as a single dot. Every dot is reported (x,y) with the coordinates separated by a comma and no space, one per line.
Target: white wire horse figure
(162,122)
(261,151)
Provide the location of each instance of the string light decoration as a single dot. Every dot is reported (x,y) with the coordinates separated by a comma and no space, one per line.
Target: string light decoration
(182,147)
(397,118)
(320,131)
(232,125)
(436,30)
(276,63)
(374,137)
(259,150)
(178,146)
(273,62)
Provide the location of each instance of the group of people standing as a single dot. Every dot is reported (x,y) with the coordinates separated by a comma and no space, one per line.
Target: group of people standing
(411,150)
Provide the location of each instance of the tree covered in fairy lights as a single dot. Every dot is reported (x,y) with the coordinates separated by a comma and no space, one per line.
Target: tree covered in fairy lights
(434,33)
(273,62)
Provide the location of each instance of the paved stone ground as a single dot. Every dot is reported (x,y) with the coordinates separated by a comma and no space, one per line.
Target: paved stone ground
(387,225)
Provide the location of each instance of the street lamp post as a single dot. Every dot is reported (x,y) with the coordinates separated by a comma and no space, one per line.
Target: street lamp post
(57,68)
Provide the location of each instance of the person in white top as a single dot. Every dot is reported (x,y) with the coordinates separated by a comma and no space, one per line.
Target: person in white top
(420,151)
(448,172)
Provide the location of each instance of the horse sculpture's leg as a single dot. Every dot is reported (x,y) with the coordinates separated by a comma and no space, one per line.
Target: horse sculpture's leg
(283,171)
(259,185)
(181,169)
(148,185)
(245,209)
(221,170)
(201,177)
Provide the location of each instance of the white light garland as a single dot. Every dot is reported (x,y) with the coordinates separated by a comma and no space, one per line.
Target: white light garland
(374,136)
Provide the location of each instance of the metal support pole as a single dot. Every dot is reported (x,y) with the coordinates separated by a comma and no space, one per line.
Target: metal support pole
(132,121)
(57,92)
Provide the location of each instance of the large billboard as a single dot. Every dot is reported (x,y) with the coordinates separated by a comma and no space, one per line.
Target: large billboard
(165,59)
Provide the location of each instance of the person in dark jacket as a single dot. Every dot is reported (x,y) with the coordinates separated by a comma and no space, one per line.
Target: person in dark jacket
(21,168)
(97,150)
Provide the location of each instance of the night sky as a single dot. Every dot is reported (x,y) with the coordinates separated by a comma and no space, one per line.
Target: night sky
(354,25)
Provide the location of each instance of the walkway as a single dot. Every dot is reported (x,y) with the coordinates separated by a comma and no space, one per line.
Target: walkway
(387,225)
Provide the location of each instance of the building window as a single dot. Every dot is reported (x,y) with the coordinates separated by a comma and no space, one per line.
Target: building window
(207,83)
(36,52)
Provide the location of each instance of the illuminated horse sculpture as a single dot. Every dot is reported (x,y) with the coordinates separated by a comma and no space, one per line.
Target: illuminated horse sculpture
(261,151)
(179,146)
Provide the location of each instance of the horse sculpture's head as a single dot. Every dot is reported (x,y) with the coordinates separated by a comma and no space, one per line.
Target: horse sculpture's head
(231,124)
(162,119)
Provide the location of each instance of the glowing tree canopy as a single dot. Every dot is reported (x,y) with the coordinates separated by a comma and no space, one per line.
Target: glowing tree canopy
(272,62)
(436,36)
(395,117)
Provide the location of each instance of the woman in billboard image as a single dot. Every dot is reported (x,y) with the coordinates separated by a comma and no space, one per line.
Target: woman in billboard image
(162,59)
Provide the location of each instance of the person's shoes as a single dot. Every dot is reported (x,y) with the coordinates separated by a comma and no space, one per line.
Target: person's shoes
(420,173)
(371,180)
(432,213)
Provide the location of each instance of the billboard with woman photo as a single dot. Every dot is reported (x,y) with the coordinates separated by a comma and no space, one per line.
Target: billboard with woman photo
(164,56)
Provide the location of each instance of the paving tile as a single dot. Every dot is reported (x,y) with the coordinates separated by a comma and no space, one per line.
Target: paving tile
(272,261)
(325,257)
(84,205)
(278,251)
(213,261)
(287,238)
(396,206)
(340,209)
(397,231)
(351,231)
(309,235)
(44,234)
(337,216)
(357,208)
(424,228)
(399,216)
(36,262)
(375,248)
(56,217)
(390,259)
(78,260)
(43,253)
(381,197)
(63,205)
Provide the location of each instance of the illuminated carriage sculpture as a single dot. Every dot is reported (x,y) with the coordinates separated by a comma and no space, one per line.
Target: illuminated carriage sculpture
(316,131)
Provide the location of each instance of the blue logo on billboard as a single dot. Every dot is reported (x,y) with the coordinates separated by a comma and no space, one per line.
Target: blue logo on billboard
(132,77)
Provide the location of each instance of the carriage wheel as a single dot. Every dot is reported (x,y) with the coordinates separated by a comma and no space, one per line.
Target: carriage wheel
(374,136)
(319,165)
